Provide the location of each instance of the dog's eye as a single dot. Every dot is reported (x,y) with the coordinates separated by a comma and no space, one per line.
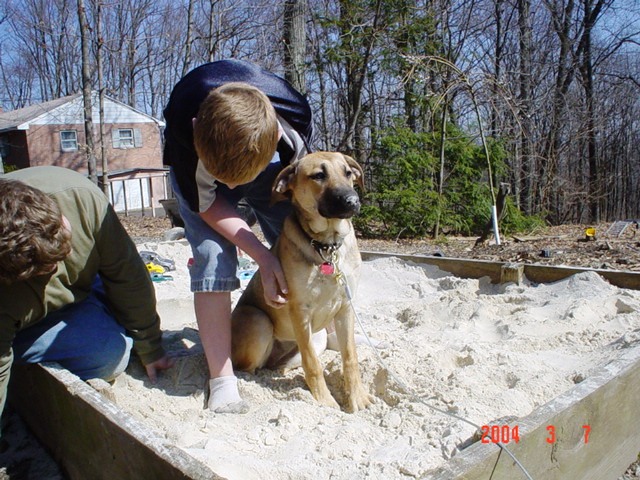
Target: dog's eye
(349,173)
(318,176)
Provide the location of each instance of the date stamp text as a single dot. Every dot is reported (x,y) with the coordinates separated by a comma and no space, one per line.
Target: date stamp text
(507,433)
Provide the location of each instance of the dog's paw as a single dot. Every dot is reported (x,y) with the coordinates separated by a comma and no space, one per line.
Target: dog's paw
(358,401)
(319,390)
(325,398)
(329,402)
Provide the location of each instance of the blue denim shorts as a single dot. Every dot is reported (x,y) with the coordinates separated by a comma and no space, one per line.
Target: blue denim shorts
(215,259)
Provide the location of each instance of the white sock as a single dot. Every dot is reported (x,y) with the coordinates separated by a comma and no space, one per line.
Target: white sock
(224,396)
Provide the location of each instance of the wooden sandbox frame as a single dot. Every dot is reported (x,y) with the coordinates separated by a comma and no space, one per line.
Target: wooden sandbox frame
(90,437)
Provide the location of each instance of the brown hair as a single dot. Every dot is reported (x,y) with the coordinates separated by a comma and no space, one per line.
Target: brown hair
(236,132)
(33,237)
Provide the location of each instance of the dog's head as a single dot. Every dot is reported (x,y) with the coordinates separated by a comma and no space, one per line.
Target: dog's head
(321,183)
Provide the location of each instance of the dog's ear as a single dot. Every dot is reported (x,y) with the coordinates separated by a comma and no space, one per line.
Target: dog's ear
(357,171)
(281,189)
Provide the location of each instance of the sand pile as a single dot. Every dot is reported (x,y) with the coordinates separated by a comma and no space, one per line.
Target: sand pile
(487,353)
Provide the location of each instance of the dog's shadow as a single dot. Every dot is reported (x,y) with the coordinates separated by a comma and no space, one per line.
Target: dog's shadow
(290,384)
(279,382)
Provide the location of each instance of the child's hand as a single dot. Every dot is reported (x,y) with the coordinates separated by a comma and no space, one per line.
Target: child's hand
(161,364)
(273,282)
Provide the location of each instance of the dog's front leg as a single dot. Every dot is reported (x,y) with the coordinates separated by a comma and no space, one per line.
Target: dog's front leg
(357,396)
(313,372)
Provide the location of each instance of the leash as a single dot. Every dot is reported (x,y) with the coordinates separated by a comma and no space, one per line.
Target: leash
(340,278)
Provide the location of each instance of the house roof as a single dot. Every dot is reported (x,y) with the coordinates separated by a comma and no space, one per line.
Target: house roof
(13,119)
(22,118)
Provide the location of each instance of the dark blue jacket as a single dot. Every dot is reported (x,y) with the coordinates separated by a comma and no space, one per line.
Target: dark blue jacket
(191,90)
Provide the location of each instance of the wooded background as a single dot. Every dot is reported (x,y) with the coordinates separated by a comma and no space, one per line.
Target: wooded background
(441,101)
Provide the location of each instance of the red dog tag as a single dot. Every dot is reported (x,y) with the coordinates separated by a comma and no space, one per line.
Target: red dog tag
(327,268)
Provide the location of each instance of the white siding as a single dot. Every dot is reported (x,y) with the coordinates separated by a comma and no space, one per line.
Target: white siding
(72,113)
(117,113)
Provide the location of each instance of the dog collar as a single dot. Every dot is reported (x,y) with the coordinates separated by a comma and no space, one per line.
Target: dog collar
(329,253)
(325,249)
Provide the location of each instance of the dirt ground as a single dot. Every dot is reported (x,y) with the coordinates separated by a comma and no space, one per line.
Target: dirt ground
(21,455)
(562,245)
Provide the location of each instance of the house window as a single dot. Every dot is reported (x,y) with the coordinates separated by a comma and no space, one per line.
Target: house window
(69,140)
(126,138)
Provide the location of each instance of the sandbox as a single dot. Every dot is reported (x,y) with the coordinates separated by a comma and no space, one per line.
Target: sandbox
(556,365)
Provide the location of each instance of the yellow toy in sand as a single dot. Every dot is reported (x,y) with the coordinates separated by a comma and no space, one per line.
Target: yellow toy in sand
(153,268)
(590,233)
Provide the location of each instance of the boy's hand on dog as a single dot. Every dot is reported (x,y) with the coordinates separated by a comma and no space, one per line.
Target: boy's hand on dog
(274,284)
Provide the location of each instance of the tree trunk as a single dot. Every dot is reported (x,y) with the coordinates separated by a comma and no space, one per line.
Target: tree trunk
(561,20)
(212,41)
(586,70)
(497,65)
(443,138)
(524,99)
(295,43)
(99,55)
(358,49)
(186,63)
(86,92)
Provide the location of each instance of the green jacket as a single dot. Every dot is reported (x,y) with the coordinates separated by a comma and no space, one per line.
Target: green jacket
(100,245)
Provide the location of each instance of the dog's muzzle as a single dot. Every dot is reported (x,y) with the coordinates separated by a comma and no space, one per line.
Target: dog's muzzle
(339,203)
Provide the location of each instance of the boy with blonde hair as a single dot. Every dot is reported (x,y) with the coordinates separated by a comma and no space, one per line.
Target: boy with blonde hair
(231,128)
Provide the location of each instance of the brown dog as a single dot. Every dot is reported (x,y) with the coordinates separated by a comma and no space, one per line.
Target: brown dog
(319,255)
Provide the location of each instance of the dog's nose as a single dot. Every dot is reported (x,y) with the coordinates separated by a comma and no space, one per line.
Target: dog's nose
(353,202)
(339,203)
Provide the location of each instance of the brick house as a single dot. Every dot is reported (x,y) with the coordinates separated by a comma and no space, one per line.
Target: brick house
(52,133)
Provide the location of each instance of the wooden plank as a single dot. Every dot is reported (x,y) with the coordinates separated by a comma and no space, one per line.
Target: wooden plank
(89,436)
(547,274)
(457,266)
(537,238)
(536,273)
(512,272)
(607,403)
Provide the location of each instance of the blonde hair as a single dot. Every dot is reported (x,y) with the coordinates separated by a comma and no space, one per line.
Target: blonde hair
(33,237)
(235,132)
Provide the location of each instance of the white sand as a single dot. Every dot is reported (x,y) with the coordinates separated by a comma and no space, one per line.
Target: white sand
(484,352)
